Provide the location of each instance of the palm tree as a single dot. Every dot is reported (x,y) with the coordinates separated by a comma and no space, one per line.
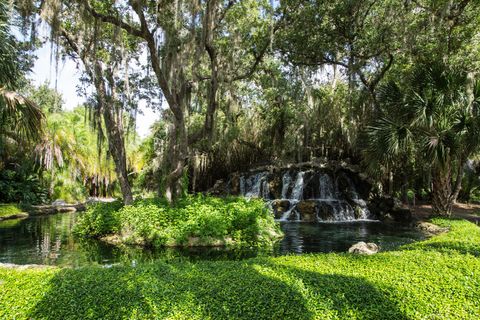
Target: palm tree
(433,120)
(20,117)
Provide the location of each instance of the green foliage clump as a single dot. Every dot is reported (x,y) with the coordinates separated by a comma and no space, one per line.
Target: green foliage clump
(17,186)
(193,221)
(7,209)
(419,283)
(100,219)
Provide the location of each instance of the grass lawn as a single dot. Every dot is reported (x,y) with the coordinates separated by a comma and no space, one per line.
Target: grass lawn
(435,279)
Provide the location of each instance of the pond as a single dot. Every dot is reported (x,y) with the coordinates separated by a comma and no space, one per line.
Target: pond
(49,240)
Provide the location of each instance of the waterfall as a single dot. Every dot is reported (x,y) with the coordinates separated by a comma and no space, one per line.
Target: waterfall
(286,180)
(242,185)
(265,188)
(297,191)
(326,187)
(308,196)
(255,186)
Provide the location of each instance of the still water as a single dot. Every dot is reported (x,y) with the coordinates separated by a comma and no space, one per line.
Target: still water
(49,240)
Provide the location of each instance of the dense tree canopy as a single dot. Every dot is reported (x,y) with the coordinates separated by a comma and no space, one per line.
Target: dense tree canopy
(390,85)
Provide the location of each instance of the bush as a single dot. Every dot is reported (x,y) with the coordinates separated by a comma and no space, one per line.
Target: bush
(100,219)
(9,209)
(195,220)
(20,187)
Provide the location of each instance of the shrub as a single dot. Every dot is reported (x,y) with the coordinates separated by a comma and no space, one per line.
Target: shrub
(195,220)
(9,209)
(100,219)
(21,187)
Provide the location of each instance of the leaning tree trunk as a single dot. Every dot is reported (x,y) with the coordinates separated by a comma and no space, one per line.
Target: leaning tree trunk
(177,156)
(114,130)
(116,146)
(442,191)
(458,181)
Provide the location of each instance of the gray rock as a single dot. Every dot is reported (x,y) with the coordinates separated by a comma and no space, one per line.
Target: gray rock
(364,248)
(430,228)
(59,202)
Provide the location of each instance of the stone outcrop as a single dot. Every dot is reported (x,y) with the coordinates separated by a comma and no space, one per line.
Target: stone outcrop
(308,210)
(364,248)
(389,208)
(279,207)
(23,266)
(308,192)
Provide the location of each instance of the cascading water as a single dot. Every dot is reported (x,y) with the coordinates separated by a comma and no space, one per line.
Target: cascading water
(286,180)
(326,187)
(297,191)
(309,196)
(255,186)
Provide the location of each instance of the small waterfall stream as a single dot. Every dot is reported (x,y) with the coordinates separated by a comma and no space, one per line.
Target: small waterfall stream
(307,195)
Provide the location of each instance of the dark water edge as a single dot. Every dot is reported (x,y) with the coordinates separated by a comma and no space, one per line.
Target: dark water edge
(49,240)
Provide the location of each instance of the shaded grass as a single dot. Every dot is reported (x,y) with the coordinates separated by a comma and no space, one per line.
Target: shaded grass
(417,282)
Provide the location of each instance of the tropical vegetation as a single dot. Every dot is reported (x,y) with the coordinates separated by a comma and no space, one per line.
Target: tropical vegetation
(390,88)
(194,221)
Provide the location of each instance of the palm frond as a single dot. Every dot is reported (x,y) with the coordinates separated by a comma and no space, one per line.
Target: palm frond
(21,115)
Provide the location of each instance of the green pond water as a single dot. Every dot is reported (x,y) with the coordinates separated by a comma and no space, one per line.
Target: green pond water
(49,240)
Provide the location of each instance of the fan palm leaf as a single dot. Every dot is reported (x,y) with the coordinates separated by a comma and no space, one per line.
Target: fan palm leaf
(20,115)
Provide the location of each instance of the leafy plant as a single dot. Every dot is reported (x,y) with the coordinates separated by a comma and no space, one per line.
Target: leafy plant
(195,220)
(100,219)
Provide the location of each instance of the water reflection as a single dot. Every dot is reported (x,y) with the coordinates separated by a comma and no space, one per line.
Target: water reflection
(338,237)
(49,240)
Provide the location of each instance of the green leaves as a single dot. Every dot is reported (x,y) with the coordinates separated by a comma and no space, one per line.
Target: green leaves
(195,220)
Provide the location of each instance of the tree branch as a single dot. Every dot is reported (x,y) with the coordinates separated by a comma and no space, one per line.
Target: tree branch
(113,20)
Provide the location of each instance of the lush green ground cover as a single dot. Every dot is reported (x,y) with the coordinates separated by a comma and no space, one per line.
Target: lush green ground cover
(435,279)
(7,209)
(194,221)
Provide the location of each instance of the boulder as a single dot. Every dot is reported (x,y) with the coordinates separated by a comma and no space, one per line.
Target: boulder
(23,266)
(430,228)
(66,209)
(279,207)
(325,211)
(364,248)
(235,184)
(307,207)
(19,215)
(275,186)
(387,207)
(219,188)
(59,202)
(401,214)
(307,210)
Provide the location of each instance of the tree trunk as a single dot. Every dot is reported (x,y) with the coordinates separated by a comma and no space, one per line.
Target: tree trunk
(458,181)
(177,156)
(390,183)
(405,187)
(114,130)
(442,190)
(116,145)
